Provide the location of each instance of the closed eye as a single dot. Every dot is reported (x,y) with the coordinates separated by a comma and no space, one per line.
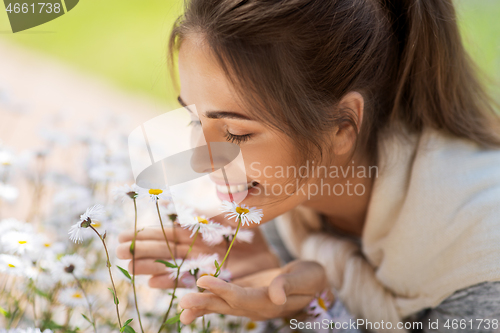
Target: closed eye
(237,139)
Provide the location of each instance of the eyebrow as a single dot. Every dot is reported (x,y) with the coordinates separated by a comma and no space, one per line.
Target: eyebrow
(217,114)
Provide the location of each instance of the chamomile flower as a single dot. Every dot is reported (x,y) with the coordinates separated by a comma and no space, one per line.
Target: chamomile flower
(207,227)
(91,215)
(318,307)
(227,233)
(72,297)
(8,192)
(18,242)
(6,158)
(155,194)
(12,224)
(247,214)
(12,265)
(203,264)
(69,267)
(125,192)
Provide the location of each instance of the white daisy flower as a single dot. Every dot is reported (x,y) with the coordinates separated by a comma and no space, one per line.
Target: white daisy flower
(125,192)
(250,326)
(12,265)
(8,193)
(208,228)
(18,242)
(6,158)
(154,194)
(176,212)
(68,266)
(72,297)
(247,214)
(227,233)
(202,265)
(12,224)
(91,216)
(318,307)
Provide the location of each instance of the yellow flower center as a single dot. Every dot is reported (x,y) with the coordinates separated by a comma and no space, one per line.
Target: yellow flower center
(241,210)
(47,244)
(155,191)
(96,224)
(321,303)
(12,266)
(6,163)
(251,325)
(206,274)
(201,220)
(77,295)
(22,242)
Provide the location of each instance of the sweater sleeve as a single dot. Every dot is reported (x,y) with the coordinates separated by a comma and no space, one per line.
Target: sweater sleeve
(353,279)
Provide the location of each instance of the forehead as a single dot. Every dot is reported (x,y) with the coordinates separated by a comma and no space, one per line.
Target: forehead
(203,82)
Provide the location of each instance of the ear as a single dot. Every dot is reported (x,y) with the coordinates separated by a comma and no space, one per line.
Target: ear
(345,134)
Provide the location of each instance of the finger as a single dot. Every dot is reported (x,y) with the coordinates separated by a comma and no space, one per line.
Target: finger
(157,250)
(164,281)
(144,249)
(299,278)
(209,302)
(147,267)
(257,279)
(190,315)
(249,299)
(254,304)
(155,233)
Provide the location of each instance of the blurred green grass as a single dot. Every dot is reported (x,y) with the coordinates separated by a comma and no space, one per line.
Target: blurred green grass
(121,41)
(125,41)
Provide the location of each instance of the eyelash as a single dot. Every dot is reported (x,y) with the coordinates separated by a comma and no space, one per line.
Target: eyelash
(237,139)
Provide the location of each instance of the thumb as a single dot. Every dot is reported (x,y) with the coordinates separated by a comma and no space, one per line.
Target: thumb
(278,289)
(299,278)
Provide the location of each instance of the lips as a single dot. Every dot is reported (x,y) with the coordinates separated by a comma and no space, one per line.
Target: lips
(235,188)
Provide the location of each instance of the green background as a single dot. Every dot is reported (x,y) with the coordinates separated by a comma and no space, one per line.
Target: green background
(125,41)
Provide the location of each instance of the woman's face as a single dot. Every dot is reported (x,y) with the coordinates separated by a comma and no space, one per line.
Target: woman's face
(223,118)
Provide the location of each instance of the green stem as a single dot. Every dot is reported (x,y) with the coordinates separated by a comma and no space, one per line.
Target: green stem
(164,234)
(217,272)
(133,268)
(176,282)
(108,263)
(87,299)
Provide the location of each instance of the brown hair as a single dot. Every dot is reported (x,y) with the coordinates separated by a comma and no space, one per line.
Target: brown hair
(294,60)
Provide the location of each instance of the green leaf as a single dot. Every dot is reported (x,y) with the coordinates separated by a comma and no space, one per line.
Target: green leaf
(127,329)
(128,322)
(87,319)
(166,263)
(174,319)
(125,272)
(115,299)
(4,312)
(216,264)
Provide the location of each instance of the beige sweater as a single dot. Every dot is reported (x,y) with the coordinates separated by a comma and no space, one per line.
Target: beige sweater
(433,227)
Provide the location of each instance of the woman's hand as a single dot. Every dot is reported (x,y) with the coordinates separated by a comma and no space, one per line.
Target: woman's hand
(150,245)
(274,293)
